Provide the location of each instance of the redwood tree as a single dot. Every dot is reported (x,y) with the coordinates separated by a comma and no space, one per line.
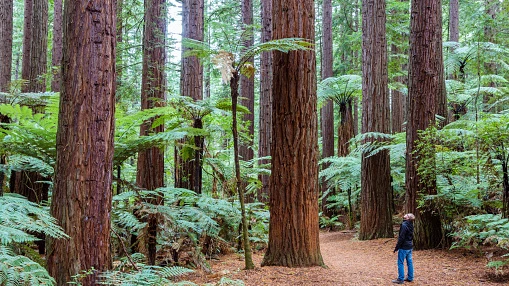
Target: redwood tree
(188,169)
(246,151)
(327,112)
(56,54)
(425,76)
(376,216)
(150,169)
(6,9)
(265,96)
(293,229)
(83,174)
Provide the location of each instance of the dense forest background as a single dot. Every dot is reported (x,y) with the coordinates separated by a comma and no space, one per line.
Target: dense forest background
(141,138)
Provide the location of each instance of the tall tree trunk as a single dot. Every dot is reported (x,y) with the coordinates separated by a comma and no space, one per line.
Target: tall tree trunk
(265,97)
(398,107)
(376,215)
(491,9)
(293,230)
(6,29)
(454,20)
(247,90)
(425,75)
(83,176)
(35,44)
(327,112)
(191,84)
(56,53)
(441,104)
(505,184)
(150,170)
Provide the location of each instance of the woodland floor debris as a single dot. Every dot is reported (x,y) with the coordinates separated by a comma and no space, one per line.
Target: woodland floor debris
(353,262)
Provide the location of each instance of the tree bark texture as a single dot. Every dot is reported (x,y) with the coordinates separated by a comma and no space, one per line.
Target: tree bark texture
(247,90)
(376,216)
(191,84)
(398,102)
(327,111)
(150,168)
(56,54)
(454,20)
(265,97)
(35,45)
(293,230)
(6,29)
(425,76)
(83,175)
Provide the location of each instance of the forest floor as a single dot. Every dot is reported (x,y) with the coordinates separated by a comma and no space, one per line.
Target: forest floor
(350,261)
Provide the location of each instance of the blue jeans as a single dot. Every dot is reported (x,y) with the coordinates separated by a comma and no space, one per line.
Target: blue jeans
(402,255)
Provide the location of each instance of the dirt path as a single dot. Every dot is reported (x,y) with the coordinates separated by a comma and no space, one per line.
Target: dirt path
(354,262)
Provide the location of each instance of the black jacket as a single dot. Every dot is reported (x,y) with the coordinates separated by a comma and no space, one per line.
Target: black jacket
(406,235)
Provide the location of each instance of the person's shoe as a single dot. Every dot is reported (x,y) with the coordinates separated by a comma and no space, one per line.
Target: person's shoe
(397,281)
(406,279)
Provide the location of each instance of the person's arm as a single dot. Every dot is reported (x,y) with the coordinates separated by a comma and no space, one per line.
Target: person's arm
(401,237)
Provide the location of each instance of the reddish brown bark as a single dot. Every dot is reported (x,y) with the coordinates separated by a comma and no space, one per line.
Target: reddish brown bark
(345,128)
(150,168)
(56,53)
(188,171)
(35,45)
(83,176)
(6,28)
(247,90)
(265,97)
(454,20)
(425,76)
(327,112)
(293,231)
(376,216)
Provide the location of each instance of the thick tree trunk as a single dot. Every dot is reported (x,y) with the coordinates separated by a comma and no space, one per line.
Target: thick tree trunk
(425,75)
(293,231)
(265,97)
(247,91)
(327,112)
(191,84)
(454,20)
(35,45)
(376,215)
(83,175)
(150,170)
(56,53)
(6,29)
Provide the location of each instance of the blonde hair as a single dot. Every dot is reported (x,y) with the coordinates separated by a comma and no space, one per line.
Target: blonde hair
(409,216)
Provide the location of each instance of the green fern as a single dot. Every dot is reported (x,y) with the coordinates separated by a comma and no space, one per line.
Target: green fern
(145,276)
(20,270)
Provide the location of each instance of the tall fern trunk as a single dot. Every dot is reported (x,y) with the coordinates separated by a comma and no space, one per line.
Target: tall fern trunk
(234,86)
(505,199)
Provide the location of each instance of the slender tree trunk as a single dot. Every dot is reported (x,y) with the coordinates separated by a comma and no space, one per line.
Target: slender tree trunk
(442,109)
(6,29)
(327,112)
(191,84)
(397,102)
(83,176)
(454,21)
(56,53)
(265,97)
(490,36)
(293,230)
(345,128)
(150,172)
(234,86)
(505,184)
(425,76)
(247,90)
(376,215)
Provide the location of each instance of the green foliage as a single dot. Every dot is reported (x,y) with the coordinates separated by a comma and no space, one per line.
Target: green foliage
(340,89)
(19,219)
(145,275)
(476,231)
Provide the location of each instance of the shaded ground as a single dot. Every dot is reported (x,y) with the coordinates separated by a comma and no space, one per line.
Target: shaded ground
(354,262)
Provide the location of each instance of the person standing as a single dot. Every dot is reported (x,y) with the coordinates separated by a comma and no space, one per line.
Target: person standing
(404,248)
